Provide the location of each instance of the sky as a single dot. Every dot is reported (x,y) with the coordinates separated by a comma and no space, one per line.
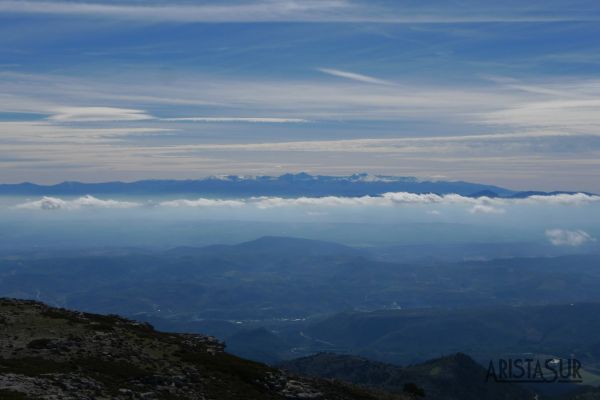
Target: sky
(504,93)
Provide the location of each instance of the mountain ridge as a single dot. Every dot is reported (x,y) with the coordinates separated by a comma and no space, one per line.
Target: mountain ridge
(283,185)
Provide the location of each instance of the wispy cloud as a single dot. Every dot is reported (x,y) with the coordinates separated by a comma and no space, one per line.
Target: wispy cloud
(95,114)
(258,11)
(565,237)
(295,10)
(30,133)
(551,143)
(354,76)
(266,120)
(574,115)
(557,108)
(405,145)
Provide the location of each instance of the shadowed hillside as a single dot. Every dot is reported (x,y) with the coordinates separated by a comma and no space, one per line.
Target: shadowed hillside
(54,353)
(455,377)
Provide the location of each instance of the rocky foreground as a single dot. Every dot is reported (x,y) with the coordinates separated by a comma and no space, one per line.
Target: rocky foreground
(50,353)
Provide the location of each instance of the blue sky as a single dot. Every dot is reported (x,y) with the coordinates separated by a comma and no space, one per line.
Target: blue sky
(507,94)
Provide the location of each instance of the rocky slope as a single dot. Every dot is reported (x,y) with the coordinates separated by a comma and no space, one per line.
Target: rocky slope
(50,353)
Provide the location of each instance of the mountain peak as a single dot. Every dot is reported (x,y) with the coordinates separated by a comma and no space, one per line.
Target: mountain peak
(291,246)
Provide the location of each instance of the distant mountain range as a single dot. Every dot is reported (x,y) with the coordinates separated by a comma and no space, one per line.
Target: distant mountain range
(279,277)
(301,184)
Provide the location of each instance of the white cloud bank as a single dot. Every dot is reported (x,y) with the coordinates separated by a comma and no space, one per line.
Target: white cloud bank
(564,237)
(54,203)
(486,205)
(477,205)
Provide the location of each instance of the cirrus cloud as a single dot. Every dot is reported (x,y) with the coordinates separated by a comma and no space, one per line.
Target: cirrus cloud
(316,11)
(95,114)
(265,120)
(354,76)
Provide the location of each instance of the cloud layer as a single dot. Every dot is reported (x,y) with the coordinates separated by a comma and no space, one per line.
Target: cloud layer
(476,205)
(485,205)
